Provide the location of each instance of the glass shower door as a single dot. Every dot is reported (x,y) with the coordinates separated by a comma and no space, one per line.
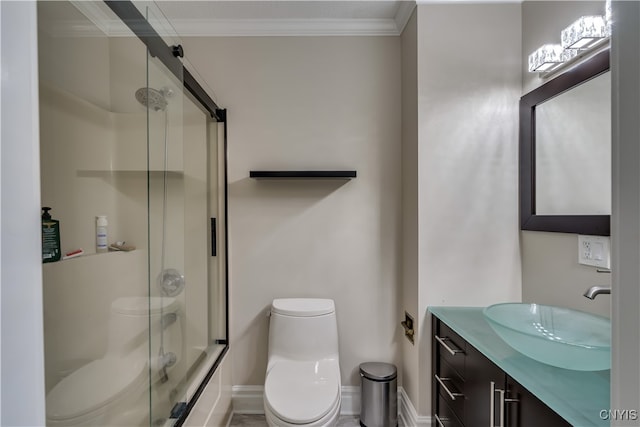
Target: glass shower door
(187,236)
(167,216)
(131,332)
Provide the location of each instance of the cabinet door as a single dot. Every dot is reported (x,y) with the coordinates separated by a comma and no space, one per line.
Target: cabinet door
(482,379)
(529,411)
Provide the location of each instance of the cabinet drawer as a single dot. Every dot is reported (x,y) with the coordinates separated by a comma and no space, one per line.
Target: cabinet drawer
(451,388)
(451,347)
(445,417)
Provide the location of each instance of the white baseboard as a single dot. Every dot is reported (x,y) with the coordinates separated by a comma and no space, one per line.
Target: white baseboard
(407,414)
(350,400)
(248,399)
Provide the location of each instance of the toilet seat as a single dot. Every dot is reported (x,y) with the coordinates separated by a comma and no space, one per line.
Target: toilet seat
(93,387)
(302,392)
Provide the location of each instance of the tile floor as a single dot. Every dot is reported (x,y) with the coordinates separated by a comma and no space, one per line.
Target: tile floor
(240,420)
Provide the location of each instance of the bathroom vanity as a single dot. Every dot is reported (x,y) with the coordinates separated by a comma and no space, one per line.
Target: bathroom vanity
(479,380)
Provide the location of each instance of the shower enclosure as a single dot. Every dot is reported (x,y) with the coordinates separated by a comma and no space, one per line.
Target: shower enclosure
(132,334)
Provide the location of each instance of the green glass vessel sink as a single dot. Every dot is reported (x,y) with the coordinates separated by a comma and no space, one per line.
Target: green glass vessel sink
(557,336)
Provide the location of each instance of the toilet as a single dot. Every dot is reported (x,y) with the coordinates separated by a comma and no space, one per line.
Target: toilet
(114,390)
(302,385)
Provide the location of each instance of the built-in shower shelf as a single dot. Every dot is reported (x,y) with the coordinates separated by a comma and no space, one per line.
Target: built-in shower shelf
(308,174)
(92,268)
(86,257)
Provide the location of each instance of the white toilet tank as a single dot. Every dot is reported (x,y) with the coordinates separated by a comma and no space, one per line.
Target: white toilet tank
(303,329)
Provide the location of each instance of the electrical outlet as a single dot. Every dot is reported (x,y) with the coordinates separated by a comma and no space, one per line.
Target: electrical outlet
(407,324)
(594,251)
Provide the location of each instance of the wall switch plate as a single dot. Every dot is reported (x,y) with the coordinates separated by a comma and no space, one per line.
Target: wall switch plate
(594,251)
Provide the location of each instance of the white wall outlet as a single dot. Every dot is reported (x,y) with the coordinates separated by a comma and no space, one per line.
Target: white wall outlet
(595,251)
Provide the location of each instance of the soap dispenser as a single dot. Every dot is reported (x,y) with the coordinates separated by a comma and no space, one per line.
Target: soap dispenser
(50,237)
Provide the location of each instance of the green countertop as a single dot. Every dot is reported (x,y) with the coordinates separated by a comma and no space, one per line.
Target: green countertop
(577,396)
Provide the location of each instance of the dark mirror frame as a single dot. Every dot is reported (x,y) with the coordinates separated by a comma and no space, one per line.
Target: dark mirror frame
(529,220)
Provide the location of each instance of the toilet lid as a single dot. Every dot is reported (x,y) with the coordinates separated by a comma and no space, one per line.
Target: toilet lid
(93,386)
(302,392)
(142,305)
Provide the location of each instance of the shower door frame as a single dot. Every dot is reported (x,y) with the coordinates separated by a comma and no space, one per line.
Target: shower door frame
(168,55)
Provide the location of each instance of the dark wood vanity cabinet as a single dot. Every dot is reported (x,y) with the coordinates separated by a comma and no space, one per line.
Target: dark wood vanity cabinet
(469,390)
(529,411)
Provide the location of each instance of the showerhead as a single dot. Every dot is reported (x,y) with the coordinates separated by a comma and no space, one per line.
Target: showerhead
(152,98)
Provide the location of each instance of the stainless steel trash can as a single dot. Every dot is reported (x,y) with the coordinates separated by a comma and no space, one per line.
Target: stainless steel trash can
(379,395)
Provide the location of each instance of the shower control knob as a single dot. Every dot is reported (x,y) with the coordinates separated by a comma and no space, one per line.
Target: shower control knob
(169,359)
(177,51)
(171,282)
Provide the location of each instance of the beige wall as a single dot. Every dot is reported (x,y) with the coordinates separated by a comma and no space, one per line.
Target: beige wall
(468,248)
(305,103)
(550,270)
(551,273)
(21,319)
(409,301)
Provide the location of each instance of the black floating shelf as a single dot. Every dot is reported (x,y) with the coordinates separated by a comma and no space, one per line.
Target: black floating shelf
(315,174)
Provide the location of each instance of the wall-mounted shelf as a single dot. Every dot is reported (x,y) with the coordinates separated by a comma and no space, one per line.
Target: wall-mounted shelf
(314,174)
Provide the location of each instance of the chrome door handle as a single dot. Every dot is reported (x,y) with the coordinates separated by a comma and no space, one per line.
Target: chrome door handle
(501,392)
(439,420)
(492,405)
(503,400)
(442,342)
(451,394)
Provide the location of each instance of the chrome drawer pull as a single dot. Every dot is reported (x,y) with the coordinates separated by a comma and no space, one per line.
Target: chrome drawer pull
(492,405)
(446,347)
(439,420)
(449,392)
(503,400)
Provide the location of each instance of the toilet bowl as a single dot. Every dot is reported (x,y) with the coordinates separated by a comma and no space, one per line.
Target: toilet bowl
(109,391)
(302,384)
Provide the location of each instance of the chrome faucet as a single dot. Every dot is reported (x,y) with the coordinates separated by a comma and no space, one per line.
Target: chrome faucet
(594,291)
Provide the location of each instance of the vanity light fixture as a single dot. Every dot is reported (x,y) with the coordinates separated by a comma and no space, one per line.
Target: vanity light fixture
(549,57)
(585,32)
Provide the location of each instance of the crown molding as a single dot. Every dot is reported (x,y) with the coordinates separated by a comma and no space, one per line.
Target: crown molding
(99,16)
(454,2)
(404,14)
(248,27)
(284,27)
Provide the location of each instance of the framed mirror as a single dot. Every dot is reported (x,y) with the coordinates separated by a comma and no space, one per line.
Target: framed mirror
(565,152)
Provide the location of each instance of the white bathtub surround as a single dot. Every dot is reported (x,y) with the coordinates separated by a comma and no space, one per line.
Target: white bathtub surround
(214,408)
